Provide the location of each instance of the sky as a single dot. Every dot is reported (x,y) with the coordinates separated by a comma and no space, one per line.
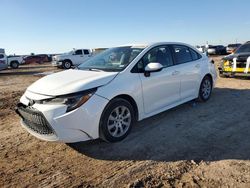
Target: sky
(56,26)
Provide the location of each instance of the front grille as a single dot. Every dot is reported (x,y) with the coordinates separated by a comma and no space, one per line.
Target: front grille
(238,64)
(34,120)
(241,65)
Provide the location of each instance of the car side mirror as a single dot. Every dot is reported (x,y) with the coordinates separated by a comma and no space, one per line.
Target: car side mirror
(152,67)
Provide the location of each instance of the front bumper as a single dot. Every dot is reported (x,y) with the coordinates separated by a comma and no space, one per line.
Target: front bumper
(56,63)
(238,72)
(78,125)
(228,68)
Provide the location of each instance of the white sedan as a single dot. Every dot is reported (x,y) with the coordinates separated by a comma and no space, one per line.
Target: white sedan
(105,96)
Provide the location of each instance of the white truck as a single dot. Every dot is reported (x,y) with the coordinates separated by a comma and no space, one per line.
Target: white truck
(72,58)
(9,61)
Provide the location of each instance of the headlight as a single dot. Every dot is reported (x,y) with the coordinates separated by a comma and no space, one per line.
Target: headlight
(72,101)
(224,63)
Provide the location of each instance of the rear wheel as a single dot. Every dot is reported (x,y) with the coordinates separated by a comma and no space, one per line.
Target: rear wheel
(117,120)
(67,64)
(14,64)
(205,89)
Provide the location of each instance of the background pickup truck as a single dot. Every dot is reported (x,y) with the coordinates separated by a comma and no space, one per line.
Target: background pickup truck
(12,61)
(72,58)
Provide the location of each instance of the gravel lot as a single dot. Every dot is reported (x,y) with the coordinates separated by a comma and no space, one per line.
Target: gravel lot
(193,145)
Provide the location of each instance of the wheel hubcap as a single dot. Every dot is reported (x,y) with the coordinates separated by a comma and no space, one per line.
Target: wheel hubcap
(206,89)
(67,64)
(119,121)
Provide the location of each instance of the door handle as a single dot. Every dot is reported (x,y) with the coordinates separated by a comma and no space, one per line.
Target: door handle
(175,73)
(197,66)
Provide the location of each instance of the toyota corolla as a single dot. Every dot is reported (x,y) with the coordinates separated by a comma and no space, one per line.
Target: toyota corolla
(105,96)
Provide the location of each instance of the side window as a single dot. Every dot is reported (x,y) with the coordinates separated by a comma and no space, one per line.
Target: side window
(194,54)
(78,52)
(86,52)
(1,56)
(182,54)
(160,54)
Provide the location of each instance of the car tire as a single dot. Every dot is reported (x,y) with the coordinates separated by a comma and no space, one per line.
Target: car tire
(117,120)
(67,64)
(205,89)
(14,64)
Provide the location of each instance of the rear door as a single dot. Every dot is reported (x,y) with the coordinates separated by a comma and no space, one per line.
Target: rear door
(188,66)
(86,55)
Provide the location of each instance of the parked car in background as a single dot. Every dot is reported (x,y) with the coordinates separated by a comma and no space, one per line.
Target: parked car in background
(216,50)
(72,58)
(236,63)
(15,60)
(107,94)
(9,61)
(231,48)
(39,58)
(201,48)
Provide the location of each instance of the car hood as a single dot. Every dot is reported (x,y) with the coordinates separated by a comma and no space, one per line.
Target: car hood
(70,81)
(61,56)
(240,56)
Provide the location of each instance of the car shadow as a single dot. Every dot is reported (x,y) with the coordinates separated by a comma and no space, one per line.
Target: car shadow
(216,130)
(25,67)
(28,70)
(242,77)
(19,73)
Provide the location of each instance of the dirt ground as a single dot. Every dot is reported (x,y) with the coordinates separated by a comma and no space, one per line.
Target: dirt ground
(193,145)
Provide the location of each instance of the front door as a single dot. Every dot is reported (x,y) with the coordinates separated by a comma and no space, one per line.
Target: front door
(160,89)
(77,57)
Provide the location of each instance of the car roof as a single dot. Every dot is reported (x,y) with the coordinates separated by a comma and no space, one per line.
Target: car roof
(154,44)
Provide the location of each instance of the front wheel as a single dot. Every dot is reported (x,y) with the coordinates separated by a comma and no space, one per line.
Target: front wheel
(66,64)
(117,120)
(205,89)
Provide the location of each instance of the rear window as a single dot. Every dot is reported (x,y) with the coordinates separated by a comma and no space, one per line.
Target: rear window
(86,52)
(233,45)
(182,54)
(212,47)
(195,55)
(243,48)
(1,56)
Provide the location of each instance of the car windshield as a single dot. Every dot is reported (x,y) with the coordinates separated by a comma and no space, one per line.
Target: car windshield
(233,45)
(113,59)
(243,48)
(69,53)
